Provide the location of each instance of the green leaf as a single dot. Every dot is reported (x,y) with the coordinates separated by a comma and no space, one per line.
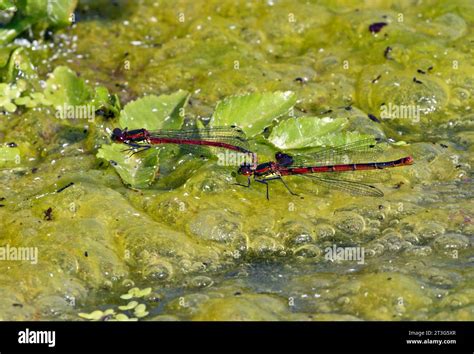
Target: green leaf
(19,64)
(307,132)
(7,5)
(155,112)
(253,112)
(136,171)
(54,12)
(65,88)
(13,29)
(104,100)
(96,315)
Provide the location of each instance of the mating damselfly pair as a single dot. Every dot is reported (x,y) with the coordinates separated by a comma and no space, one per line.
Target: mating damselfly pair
(328,166)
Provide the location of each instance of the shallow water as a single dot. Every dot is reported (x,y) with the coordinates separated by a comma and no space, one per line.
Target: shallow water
(211,250)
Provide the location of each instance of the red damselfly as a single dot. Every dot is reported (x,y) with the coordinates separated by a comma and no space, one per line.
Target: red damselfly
(230,138)
(328,168)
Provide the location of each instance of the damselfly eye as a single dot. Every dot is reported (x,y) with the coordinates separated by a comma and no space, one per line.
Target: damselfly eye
(117,134)
(244,170)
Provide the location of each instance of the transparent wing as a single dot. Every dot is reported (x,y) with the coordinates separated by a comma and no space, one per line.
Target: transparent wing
(229,135)
(365,150)
(351,187)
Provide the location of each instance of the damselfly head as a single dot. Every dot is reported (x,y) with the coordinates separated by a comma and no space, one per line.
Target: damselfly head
(245,169)
(283,159)
(117,135)
(409,160)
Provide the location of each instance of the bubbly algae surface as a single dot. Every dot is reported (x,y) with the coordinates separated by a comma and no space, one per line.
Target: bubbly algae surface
(211,250)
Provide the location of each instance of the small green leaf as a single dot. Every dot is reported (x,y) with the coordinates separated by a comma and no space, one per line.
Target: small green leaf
(138,170)
(65,88)
(130,306)
(123,317)
(19,64)
(96,315)
(104,100)
(54,12)
(140,308)
(253,112)
(143,292)
(155,112)
(301,132)
(7,5)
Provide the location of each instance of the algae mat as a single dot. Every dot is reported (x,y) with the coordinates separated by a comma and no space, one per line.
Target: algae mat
(88,234)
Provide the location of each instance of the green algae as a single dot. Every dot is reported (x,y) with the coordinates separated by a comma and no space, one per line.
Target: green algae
(213,250)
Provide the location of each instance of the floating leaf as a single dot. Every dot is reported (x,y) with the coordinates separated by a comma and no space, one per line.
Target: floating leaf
(104,100)
(253,112)
(143,292)
(130,306)
(138,170)
(306,132)
(65,88)
(10,92)
(155,112)
(7,5)
(123,317)
(95,315)
(35,13)
(140,311)
(54,12)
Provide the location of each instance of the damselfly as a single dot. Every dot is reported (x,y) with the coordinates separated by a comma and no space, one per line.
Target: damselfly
(328,167)
(230,138)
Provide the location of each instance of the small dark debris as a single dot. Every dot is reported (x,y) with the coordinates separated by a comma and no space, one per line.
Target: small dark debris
(66,186)
(376,79)
(416,81)
(348,108)
(2,199)
(377,26)
(389,278)
(444,146)
(86,254)
(34,170)
(237,293)
(2,205)
(373,118)
(48,214)
(386,53)
(17,305)
(12,145)
(104,113)
(328,111)
(301,80)
(458,166)
(381,207)
(399,185)
(421,71)
(430,68)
